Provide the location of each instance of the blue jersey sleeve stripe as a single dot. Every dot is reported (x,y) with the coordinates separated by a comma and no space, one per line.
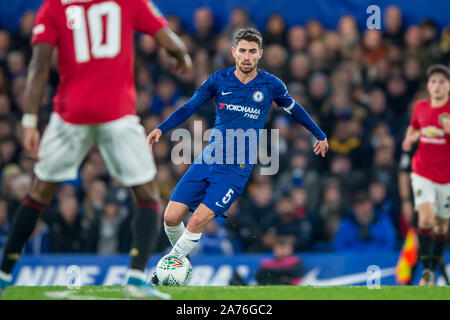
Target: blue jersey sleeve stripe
(288,109)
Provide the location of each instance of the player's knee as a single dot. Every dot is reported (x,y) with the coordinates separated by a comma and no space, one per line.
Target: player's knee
(171,219)
(440,230)
(426,215)
(440,227)
(425,223)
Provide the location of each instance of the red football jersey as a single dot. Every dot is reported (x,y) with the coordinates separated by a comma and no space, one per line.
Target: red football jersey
(95,41)
(432,158)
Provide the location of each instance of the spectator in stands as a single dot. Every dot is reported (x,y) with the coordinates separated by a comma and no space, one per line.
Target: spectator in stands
(67,234)
(5,44)
(26,163)
(22,38)
(112,233)
(239,18)
(222,57)
(88,175)
(332,209)
(166,94)
(374,49)
(397,95)
(349,34)
(382,203)
(258,201)
(345,142)
(202,60)
(16,63)
(162,152)
(318,57)
(362,230)
(349,178)
(377,111)
(333,47)
(318,90)
(339,107)
(299,68)
(94,201)
(275,32)
(304,209)
(9,150)
(413,44)
(284,268)
(20,186)
(314,30)
(297,175)
(297,39)
(5,105)
(205,34)
(166,182)
(384,168)
(284,222)
(5,127)
(275,59)
(393,24)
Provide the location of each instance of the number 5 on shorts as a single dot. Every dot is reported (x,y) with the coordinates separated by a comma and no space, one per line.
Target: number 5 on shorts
(227,197)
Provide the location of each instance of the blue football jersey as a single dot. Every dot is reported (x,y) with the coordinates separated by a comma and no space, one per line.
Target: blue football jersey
(240,106)
(241,113)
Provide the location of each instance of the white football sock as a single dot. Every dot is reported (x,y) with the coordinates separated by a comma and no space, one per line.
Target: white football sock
(186,243)
(174,233)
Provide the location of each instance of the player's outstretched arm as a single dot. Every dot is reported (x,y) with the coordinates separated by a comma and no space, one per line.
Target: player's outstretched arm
(167,39)
(411,137)
(37,77)
(179,116)
(302,117)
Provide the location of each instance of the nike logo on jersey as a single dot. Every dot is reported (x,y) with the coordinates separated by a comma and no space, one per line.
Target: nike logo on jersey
(225,93)
(217,204)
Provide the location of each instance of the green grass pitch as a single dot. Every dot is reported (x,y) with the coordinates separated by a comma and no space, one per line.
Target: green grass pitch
(236,293)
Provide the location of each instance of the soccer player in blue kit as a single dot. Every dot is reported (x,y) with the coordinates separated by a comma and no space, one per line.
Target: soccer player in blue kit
(243,97)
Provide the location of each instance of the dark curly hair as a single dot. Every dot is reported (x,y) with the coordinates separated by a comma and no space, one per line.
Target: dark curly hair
(248,34)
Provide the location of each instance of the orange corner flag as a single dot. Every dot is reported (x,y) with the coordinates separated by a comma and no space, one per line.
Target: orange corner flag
(408,258)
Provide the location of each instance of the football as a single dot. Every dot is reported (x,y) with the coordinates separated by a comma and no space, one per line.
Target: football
(174,271)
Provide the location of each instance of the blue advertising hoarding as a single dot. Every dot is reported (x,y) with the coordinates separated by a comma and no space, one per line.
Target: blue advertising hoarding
(321,269)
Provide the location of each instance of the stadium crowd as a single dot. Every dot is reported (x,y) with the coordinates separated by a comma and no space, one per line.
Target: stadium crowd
(359,86)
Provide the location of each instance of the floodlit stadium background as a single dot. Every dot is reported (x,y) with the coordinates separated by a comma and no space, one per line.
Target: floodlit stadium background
(358,84)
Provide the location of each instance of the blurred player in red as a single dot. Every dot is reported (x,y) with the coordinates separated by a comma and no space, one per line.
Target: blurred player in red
(94,102)
(430,177)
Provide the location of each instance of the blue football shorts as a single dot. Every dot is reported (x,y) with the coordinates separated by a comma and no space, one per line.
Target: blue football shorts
(217,186)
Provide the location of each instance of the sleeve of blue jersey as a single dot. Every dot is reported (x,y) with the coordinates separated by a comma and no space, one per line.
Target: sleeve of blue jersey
(284,100)
(301,116)
(179,116)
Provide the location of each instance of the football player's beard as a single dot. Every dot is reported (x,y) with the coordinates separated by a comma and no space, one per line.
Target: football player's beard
(248,70)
